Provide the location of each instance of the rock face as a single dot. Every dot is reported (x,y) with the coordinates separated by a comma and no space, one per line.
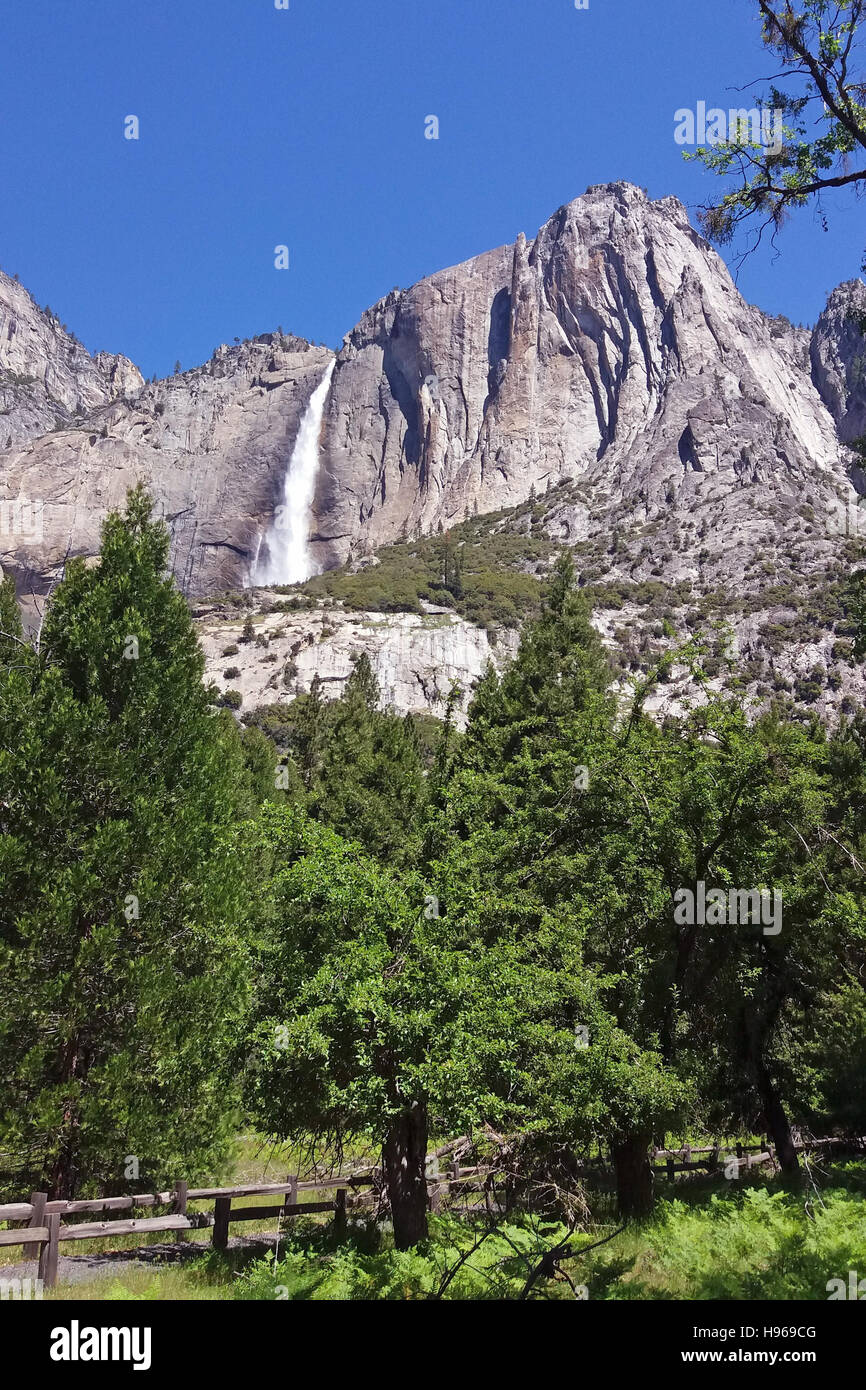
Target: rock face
(613,350)
(415,657)
(212,445)
(839,359)
(47,379)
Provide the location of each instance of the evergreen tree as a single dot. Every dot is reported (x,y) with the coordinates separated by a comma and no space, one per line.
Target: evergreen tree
(123,888)
(11,635)
(525,812)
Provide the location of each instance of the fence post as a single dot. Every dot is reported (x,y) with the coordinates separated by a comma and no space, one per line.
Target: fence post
(37,1201)
(289,1200)
(453,1185)
(179,1205)
(671,1170)
(222,1215)
(436,1195)
(50,1251)
(340,1214)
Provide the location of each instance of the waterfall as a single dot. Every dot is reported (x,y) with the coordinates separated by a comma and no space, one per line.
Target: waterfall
(284,556)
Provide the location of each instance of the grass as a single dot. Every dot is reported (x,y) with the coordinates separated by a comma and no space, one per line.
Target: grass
(757,1239)
(255,1160)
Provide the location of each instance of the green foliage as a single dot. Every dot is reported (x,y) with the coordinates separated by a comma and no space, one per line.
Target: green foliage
(353,998)
(311,1269)
(815,48)
(123,890)
(517,789)
(355,767)
(573,828)
(11,634)
(752,1244)
(479,571)
(421,930)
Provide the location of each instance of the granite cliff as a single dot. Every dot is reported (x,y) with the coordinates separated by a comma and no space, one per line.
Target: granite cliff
(609,366)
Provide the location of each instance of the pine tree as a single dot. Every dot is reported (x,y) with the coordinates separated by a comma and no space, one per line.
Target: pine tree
(526,807)
(362,688)
(122,880)
(11,635)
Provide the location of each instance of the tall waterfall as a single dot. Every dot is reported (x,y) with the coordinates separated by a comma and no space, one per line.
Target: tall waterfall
(284,555)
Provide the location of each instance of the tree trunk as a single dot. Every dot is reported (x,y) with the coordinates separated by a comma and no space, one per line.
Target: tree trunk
(634,1176)
(404,1155)
(774,1110)
(63,1177)
(777,1123)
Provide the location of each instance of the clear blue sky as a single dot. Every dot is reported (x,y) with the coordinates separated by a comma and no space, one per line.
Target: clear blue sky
(305,127)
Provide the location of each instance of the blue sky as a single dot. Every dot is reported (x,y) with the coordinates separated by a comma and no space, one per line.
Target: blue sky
(305,127)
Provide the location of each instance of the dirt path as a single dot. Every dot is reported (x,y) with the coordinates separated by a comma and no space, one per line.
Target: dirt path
(81,1269)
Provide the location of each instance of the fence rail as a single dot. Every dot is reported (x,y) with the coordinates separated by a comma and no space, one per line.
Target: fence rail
(44,1232)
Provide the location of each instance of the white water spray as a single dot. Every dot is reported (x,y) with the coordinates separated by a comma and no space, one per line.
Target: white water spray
(284,556)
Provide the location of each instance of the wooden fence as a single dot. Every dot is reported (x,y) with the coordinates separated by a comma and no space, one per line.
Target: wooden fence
(46,1230)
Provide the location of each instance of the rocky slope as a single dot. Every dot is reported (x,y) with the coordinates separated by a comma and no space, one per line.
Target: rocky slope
(612,350)
(838,354)
(415,657)
(211,444)
(47,379)
(607,369)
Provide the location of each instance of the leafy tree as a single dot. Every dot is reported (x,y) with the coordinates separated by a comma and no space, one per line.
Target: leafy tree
(451,571)
(739,807)
(123,884)
(816,45)
(355,1008)
(567,818)
(311,734)
(356,767)
(378,1014)
(362,689)
(11,635)
(527,815)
